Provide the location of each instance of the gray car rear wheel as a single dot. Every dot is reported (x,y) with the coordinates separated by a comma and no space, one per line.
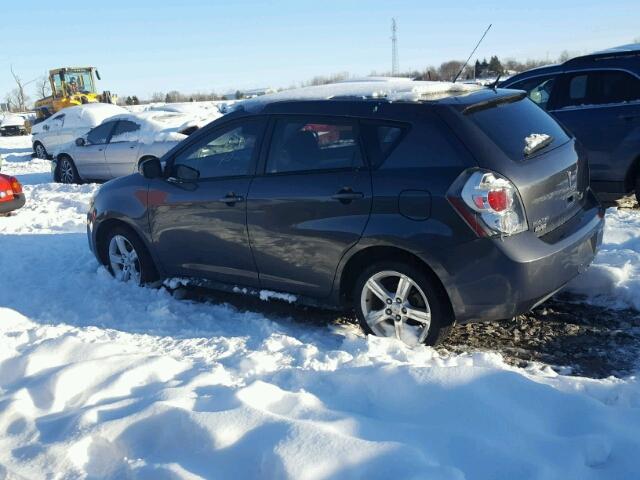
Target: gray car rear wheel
(394,299)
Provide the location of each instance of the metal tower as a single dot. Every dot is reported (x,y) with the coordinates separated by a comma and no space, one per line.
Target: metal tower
(395,69)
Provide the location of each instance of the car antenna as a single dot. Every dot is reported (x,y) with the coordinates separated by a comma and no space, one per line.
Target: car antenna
(495,84)
(474,51)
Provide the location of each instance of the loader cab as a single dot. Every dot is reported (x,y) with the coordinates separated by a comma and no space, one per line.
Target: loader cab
(66,82)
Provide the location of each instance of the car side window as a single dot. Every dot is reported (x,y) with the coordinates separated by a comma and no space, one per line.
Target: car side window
(380,140)
(125,131)
(58,121)
(303,144)
(538,89)
(100,134)
(599,87)
(226,152)
(615,86)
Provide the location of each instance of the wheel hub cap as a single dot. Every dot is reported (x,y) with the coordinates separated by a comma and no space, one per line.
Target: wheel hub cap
(395,306)
(123,260)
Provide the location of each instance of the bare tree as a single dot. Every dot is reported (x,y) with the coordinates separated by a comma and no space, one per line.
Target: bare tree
(19,97)
(448,70)
(43,87)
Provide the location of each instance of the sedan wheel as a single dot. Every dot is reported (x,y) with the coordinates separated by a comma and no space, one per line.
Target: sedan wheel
(124,261)
(67,171)
(41,152)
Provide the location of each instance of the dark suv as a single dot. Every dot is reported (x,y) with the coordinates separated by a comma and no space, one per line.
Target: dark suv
(418,212)
(597,97)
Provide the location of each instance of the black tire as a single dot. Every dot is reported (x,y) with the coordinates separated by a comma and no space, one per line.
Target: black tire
(40,151)
(147,269)
(66,171)
(441,316)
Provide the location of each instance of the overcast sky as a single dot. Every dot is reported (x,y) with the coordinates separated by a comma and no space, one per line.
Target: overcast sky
(144,46)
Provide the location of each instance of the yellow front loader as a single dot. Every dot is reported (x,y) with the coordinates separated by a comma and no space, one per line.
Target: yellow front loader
(69,87)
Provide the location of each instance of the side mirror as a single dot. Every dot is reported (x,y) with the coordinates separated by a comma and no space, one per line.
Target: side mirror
(150,168)
(186,173)
(98,75)
(80,142)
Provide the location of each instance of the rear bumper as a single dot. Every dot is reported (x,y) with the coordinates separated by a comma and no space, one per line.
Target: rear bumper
(495,279)
(12,131)
(17,202)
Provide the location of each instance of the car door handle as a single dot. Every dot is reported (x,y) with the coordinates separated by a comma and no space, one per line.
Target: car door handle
(231,199)
(346,195)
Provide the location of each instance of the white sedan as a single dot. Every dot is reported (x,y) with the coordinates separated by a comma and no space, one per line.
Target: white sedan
(68,124)
(116,147)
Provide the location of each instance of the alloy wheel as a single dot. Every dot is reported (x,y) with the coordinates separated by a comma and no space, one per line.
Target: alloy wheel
(41,152)
(394,305)
(66,171)
(123,260)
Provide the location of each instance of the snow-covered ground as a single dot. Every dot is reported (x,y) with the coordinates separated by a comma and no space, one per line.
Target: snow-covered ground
(104,380)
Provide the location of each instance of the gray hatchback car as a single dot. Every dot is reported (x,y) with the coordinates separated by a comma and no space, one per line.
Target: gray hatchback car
(418,211)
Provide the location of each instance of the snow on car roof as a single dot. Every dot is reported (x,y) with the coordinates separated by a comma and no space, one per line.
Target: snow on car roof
(392,89)
(88,115)
(11,119)
(159,125)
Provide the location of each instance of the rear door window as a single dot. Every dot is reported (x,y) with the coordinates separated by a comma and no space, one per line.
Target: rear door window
(380,140)
(126,131)
(599,87)
(306,144)
(508,124)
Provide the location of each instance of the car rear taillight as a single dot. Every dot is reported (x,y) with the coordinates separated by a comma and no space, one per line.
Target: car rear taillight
(16,186)
(489,203)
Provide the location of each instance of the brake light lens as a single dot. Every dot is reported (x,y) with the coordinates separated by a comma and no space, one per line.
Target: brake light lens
(16,186)
(489,203)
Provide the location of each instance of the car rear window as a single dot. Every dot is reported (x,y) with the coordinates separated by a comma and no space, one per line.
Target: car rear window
(509,124)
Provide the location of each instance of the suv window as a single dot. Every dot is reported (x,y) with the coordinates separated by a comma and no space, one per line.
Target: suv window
(598,88)
(125,131)
(226,152)
(538,89)
(302,144)
(100,134)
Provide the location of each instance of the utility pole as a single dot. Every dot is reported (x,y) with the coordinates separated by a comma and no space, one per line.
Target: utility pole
(394,48)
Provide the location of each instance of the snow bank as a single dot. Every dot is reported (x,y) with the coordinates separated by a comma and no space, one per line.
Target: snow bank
(104,380)
(613,280)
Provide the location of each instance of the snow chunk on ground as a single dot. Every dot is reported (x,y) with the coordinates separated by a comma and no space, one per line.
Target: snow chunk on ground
(534,141)
(266,295)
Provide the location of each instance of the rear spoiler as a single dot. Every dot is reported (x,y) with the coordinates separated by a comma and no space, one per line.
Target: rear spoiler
(494,102)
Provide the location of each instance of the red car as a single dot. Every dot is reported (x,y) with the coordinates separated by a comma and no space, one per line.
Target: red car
(11,196)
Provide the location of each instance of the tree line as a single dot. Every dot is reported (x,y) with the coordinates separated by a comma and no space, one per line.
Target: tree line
(19,100)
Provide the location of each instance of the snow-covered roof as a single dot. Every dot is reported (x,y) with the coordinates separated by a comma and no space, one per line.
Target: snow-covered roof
(11,120)
(89,115)
(160,126)
(392,89)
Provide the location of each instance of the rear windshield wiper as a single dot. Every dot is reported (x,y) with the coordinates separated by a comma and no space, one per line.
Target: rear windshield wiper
(494,102)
